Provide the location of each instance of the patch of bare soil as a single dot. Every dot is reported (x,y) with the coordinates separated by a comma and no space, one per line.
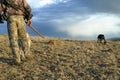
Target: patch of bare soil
(63,59)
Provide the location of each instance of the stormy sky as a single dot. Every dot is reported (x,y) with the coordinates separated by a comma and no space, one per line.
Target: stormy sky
(76,19)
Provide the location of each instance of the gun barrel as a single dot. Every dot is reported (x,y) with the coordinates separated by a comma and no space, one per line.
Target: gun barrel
(36,31)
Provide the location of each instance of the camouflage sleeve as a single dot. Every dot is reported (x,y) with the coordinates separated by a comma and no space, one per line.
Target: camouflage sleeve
(28,10)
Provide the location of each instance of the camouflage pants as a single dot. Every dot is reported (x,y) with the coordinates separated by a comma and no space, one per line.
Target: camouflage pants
(17,37)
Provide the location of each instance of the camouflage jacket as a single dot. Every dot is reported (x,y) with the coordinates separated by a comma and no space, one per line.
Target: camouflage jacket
(8,10)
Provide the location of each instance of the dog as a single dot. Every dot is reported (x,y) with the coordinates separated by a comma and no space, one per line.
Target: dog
(101,38)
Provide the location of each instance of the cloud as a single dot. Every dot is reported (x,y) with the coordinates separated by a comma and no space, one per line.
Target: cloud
(107,6)
(43,3)
(91,26)
(78,18)
(40,3)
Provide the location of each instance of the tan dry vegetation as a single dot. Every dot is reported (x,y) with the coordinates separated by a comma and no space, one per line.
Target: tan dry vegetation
(63,59)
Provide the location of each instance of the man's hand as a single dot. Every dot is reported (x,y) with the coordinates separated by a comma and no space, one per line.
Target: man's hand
(29,22)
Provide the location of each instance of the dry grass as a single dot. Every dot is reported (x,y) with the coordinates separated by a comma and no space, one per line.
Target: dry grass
(63,59)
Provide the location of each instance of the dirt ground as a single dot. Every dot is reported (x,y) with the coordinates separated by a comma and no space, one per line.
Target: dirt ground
(63,59)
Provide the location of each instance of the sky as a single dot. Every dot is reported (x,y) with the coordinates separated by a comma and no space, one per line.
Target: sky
(75,19)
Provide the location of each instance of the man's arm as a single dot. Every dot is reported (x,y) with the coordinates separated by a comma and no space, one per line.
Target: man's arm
(27,9)
(29,12)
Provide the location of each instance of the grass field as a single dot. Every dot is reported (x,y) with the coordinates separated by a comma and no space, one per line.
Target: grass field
(63,59)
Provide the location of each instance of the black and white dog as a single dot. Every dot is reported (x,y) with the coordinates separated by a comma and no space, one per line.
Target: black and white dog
(101,38)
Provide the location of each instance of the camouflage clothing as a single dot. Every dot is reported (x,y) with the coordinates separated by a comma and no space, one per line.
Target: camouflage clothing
(17,28)
(17,36)
(11,11)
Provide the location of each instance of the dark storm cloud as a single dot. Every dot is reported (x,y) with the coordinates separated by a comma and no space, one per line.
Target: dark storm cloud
(78,8)
(107,6)
(59,11)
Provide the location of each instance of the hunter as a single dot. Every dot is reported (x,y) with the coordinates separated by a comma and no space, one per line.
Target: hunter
(17,13)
